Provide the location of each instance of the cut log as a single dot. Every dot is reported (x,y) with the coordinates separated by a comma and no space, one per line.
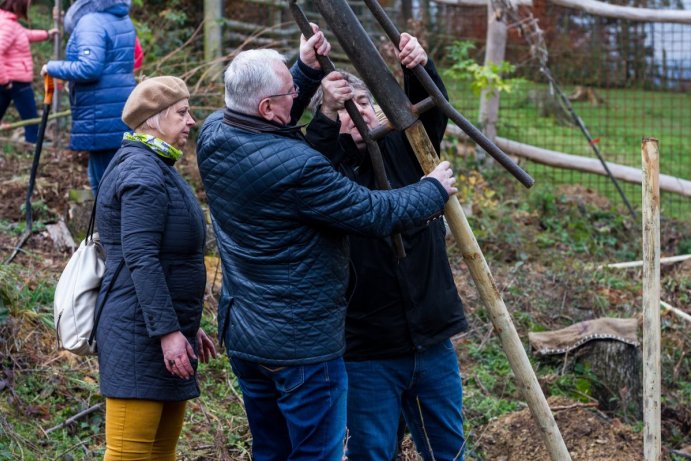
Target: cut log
(481,2)
(668,260)
(676,311)
(627,12)
(574,162)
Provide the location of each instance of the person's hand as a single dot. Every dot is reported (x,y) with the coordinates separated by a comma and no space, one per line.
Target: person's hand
(53,32)
(411,52)
(4,126)
(444,175)
(44,70)
(177,352)
(317,44)
(206,346)
(336,92)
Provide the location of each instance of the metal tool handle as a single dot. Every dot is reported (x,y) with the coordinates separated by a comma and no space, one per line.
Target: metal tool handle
(444,105)
(372,146)
(49,89)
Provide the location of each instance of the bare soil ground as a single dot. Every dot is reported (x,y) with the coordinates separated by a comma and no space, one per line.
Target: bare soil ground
(588,435)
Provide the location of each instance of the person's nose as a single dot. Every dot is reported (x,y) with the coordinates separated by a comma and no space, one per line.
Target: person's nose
(190,120)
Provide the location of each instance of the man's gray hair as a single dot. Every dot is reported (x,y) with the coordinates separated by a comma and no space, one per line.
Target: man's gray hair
(251,77)
(354,81)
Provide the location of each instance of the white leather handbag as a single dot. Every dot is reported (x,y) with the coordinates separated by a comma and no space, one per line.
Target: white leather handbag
(74,305)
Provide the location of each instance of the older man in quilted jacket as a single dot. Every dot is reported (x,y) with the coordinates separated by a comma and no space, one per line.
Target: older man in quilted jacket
(281,214)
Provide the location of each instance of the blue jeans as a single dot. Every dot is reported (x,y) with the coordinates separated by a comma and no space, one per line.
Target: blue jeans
(294,413)
(23,96)
(98,162)
(425,386)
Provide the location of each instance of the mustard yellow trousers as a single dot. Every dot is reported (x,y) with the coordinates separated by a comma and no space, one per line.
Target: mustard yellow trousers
(142,430)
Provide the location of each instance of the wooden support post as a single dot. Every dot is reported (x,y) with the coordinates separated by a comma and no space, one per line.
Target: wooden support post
(213,36)
(494,54)
(651,299)
(501,319)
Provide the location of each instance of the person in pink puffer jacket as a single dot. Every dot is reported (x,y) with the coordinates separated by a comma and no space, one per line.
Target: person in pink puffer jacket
(16,65)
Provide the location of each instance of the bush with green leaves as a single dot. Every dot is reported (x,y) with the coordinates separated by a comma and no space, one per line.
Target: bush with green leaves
(489,77)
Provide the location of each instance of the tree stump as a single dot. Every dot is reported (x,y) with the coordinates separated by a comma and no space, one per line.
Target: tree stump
(609,349)
(617,368)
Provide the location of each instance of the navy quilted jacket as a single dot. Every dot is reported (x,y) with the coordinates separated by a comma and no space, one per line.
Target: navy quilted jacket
(147,212)
(281,214)
(99,64)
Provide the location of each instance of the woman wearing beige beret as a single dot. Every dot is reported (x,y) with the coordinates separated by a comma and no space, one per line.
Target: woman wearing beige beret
(149,336)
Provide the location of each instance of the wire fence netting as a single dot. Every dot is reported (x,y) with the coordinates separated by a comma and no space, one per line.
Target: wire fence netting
(625,79)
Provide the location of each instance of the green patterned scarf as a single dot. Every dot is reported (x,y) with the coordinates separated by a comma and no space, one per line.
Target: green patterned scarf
(157,145)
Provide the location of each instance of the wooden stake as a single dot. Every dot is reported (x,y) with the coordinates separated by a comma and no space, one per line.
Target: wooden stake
(681,314)
(651,299)
(668,260)
(501,319)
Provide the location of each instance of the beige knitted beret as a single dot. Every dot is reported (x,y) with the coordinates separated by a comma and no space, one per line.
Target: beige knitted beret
(152,96)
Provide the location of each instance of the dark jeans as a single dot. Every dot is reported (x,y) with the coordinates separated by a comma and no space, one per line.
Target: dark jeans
(23,96)
(98,162)
(294,413)
(426,387)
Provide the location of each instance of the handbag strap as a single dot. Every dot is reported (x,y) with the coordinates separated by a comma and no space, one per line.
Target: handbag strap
(99,308)
(92,219)
(89,237)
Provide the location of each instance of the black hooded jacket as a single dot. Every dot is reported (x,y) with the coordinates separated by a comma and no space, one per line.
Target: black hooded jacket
(399,306)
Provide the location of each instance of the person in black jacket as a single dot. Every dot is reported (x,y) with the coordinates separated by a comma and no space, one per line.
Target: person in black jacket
(152,228)
(399,357)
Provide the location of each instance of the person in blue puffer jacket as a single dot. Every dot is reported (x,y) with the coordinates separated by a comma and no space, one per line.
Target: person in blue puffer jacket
(281,214)
(99,64)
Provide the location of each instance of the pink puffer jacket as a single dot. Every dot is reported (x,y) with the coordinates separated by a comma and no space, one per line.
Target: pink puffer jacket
(15,56)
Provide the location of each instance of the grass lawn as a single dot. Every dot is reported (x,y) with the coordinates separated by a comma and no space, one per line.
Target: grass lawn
(530,115)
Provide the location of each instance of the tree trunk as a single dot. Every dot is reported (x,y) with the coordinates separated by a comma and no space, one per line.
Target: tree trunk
(617,368)
(213,36)
(494,54)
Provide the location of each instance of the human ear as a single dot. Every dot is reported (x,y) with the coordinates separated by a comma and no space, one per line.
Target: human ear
(264,110)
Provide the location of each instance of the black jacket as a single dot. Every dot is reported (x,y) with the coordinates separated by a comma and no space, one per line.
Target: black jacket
(398,306)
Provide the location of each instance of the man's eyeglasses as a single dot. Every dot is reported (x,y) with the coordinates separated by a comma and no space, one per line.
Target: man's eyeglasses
(294,93)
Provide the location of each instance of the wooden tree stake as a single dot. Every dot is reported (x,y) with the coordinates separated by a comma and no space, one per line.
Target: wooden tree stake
(651,299)
(526,380)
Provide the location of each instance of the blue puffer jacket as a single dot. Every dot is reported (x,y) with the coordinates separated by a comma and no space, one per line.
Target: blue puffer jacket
(148,214)
(99,63)
(281,214)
